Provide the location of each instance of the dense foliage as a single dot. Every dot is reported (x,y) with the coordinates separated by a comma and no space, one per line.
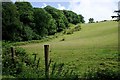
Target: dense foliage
(11,27)
(73,17)
(22,22)
(45,24)
(58,15)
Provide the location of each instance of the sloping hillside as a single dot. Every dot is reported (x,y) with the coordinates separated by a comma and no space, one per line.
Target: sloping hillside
(94,46)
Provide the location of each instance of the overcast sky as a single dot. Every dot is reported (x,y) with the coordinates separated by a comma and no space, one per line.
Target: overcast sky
(97,9)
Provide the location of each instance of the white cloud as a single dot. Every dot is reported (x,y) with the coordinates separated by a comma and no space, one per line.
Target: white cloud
(44,5)
(60,7)
(97,9)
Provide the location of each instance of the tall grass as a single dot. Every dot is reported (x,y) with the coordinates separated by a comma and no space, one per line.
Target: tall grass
(30,67)
(26,67)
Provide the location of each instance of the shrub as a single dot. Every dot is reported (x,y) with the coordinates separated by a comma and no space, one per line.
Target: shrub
(102,74)
(70,31)
(59,72)
(77,27)
(13,66)
(25,66)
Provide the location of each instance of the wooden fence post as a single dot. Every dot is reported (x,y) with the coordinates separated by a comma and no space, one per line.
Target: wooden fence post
(46,50)
(13,56)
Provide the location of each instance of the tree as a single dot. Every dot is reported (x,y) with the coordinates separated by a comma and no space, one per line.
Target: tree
(59,17)
(44,23)
(11,26)
(22,22)
(25,12)
(27,33)
(73,17)
(91,20)
(81,18)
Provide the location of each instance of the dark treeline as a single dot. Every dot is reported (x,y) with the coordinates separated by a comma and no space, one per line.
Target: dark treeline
(22,22)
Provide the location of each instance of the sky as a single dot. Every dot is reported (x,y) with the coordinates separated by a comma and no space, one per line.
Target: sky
(97,9)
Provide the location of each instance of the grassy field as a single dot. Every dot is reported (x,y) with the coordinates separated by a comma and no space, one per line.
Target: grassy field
(95,45)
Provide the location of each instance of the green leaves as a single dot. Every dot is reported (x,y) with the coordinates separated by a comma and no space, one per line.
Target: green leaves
(45,24)
(25,12)
(59,17)
(73,17)
(22,22)
(10,21)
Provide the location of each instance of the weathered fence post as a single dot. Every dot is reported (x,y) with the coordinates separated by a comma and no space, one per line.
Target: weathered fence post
(13,57)
(13,54)
(46,50)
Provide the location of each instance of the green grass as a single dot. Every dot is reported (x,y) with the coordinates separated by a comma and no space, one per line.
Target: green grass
(95,45)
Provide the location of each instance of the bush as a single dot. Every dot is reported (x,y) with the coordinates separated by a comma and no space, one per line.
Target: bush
(58,71)
(13,66)
(77,27)
(25,66)
(70,31)
(102,74)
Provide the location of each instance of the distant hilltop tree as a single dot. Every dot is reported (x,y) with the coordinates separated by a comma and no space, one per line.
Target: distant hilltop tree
(91,20)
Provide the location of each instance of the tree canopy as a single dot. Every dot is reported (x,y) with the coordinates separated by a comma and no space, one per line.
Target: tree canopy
(45,24)
(58,15)
(10,22)
(22,22)
(73,17)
